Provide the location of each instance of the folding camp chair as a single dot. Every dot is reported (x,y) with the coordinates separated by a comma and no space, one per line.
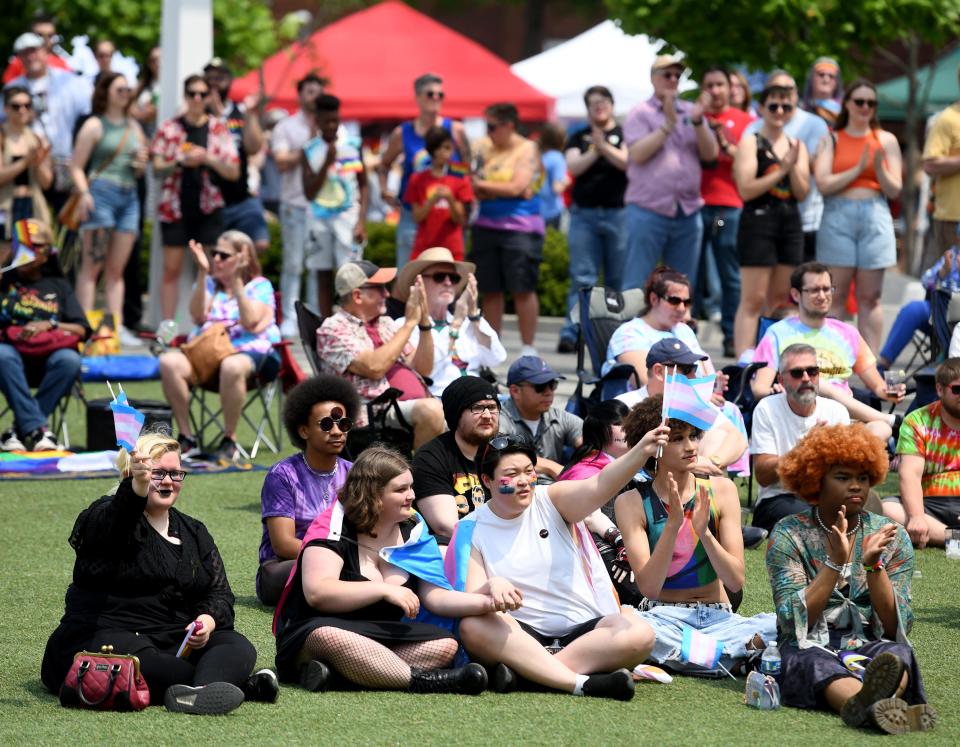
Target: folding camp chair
(308,322)
(58,418)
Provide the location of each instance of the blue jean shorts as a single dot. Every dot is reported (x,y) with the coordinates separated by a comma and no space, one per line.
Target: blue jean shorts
(857,233)
(114,207)
(246,216)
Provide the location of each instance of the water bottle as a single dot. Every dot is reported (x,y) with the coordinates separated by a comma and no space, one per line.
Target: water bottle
(770,661)
(166,331)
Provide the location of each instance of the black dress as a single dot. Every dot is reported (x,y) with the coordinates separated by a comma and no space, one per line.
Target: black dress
(380,621)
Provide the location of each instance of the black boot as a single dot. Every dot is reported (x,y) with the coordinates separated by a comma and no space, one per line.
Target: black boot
(468,680)
(262,687)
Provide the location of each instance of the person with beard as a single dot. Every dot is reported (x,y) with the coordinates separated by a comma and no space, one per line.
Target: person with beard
(318,414)
(444,473)
(841,351)
(929,451)
(782,419)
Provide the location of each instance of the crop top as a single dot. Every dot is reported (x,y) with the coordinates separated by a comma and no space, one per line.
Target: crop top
(847,150)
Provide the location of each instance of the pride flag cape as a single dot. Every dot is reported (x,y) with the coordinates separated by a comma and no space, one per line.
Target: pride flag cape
(689,400)
(127,422)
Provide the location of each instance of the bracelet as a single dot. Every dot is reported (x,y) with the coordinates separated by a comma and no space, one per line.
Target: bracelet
(453,334)
(834,566)
(875,568)
(475,318)
(425,327)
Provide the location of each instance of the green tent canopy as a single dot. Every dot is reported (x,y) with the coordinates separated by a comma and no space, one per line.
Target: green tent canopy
(944,89)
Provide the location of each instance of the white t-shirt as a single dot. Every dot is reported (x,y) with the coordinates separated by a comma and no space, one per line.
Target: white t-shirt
(562,578)
(777,428)
(291,134)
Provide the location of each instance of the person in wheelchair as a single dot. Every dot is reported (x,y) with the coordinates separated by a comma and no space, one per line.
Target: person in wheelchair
(231,290)
(318,414)
(374,352)
(37,305)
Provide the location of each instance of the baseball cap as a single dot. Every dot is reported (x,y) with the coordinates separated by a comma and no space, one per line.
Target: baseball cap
(352,275)
(216,63)
(663,61)
(26,41)
(533,369)
(672,350)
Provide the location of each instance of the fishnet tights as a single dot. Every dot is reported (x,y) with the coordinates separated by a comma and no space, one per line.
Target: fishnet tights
(371,664)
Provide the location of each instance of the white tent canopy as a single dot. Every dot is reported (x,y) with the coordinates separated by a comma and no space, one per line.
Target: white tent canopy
(603,55)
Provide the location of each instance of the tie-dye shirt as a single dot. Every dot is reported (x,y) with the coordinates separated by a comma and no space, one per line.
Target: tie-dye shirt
(841,351)
(924,434)
(796,553)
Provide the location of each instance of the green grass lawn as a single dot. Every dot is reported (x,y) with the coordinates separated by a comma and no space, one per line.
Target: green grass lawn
(36,517)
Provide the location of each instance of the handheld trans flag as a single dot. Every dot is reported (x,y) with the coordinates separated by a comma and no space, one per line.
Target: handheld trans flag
(127,421)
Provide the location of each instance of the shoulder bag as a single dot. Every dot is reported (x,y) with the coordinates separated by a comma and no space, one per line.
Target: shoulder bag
(69,215)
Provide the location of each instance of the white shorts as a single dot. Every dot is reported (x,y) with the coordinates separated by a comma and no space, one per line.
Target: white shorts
(330,241)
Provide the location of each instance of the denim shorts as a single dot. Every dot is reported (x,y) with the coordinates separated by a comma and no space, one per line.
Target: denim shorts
(857,233)
(114,207)
(266,365)
(246,216)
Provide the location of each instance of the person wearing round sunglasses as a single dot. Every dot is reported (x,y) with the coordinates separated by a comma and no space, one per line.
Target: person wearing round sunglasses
(772,172)
(109,156)
(823,91)
(463,341)
(144,573)
(858,170)
(231,290)
(25,166)
(318,414)
(667,295)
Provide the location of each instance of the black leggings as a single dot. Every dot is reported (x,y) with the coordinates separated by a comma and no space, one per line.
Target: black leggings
(227,657)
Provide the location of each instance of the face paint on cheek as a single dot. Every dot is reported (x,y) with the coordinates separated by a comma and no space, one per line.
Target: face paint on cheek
(506,488)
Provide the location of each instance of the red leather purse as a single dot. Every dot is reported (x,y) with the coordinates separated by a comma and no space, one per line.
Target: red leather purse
(105,682)
(41,344)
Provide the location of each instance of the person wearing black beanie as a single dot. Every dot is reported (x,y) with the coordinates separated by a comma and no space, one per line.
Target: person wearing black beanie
(444,478)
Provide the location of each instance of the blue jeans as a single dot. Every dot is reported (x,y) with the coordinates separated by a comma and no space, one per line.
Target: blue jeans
(406,235)
(719,273)
(911,317)
(596,240)
(31,412)
(652,237)
(293,229)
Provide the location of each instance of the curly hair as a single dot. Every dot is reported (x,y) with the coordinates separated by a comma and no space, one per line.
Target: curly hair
(361,494)
(802,469)
(302,398)
(647,415)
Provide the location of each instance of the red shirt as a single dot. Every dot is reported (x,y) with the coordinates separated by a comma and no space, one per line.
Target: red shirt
(15,68)
(716,184)
(437,229)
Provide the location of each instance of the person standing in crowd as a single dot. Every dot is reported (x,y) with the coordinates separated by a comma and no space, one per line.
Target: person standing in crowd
(242,210)
(597,159)
(508,232)
(718,278)
(809,129)
(772,172)
(289,137)
(823,91)
(59,99)
(44,26)
(941,160)
(25,166)
(555,178)
(741,97)
(111,151)
(667,140)
(407,140)
(440,201)
(335,185)
(103,52)
(194,154)
(857,171)
(463,341)
(147,98)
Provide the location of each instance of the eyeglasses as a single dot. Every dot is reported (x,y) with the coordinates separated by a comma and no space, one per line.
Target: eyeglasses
(439,277)
(669,74)
(195,94)
(176,475)
(221,255)
(544,387)
(869,103)
(499,443)
(811,371)
(677,300)
(21,107)
(480,408)
(824,289)
(774,108)
(435,95)
(343,423)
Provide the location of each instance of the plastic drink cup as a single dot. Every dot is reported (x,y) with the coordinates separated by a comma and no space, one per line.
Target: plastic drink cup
(893,379)
(952,537)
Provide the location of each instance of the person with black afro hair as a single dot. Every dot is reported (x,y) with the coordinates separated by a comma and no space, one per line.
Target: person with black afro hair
(317,415)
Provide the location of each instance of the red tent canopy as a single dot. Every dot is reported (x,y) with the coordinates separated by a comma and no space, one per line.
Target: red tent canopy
(372,58)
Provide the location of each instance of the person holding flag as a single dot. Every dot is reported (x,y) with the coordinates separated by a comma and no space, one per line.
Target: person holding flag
(683,539)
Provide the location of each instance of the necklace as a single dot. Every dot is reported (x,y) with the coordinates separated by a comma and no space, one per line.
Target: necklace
(318,473)
(816,512)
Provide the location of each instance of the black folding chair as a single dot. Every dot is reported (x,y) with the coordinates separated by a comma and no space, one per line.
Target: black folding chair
(308,322)
(377,431)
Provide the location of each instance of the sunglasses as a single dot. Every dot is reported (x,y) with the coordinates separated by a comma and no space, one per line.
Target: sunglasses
(491,126)
(774,108)
(197,94)
(435,95)
(176,475)
(670,75)
(870,103)
(677,300)
(686,369)
(499,443)
(480,408)
(811,371)
(343,423)
(21,107)
(439,277)
(221,255)
(544,387)
(954,389)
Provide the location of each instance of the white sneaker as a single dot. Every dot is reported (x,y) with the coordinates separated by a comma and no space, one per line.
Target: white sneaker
(46,442)
(129,339)
(10,442)
(529,350)
(289,330)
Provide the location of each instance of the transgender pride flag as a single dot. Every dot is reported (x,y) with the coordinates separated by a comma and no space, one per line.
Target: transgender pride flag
(127,421)
(689,400)
(700,648)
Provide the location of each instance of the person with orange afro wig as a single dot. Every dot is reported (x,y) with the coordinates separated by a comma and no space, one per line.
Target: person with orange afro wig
(841,580)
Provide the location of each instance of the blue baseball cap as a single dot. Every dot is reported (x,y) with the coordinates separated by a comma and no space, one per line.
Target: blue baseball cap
(672,350)
(532,369)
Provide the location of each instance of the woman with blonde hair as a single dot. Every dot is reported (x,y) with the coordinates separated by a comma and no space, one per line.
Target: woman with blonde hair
(232,292)
(144,574)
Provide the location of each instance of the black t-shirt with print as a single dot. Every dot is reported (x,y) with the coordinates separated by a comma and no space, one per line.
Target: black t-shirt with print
(440,468)
(603,184)
(23,301)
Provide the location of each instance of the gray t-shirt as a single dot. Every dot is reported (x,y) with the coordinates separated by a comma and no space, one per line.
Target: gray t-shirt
(557,429)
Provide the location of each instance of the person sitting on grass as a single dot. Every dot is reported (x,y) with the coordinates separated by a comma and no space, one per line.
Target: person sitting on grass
(318,414)
(683,538)
(841,584)
(346,608)
(528,544)
(144,572)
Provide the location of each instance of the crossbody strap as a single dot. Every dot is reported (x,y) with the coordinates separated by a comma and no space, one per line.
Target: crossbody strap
(105,164)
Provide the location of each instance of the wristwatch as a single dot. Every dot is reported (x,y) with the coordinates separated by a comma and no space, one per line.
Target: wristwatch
(53,322)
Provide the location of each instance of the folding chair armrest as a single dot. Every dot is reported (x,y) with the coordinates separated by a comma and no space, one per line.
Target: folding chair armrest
(748,373)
